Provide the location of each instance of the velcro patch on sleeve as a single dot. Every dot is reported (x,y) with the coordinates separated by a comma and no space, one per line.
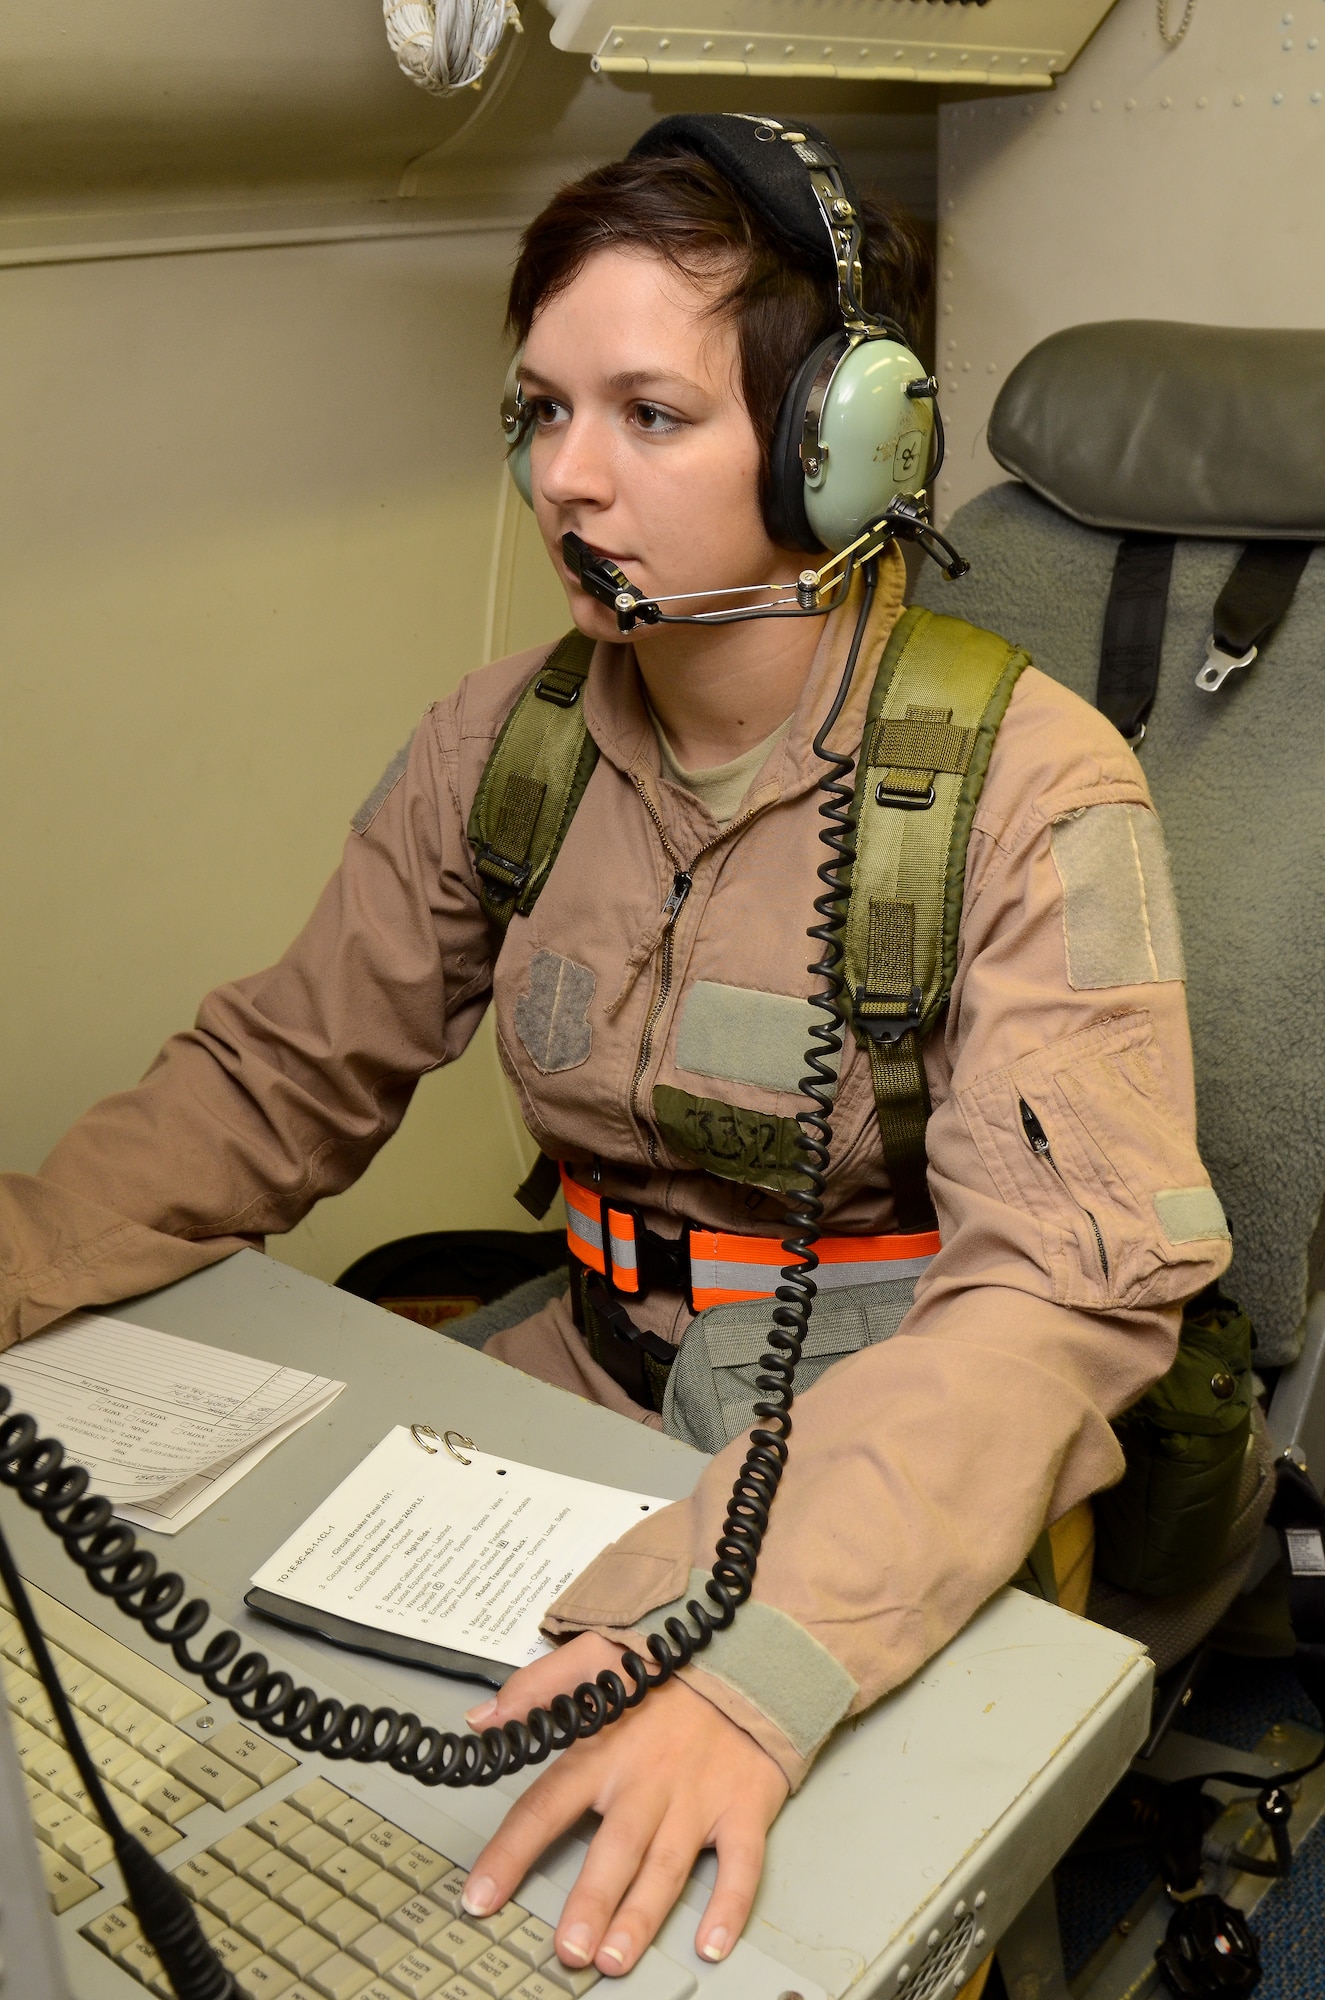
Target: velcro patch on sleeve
(745,1036)
(384,787)
(1191,1215)
(775,1663)
(1120,920)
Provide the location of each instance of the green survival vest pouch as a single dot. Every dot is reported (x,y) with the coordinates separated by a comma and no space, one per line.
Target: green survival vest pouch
(1164,1527)
(941,691)
(532,783)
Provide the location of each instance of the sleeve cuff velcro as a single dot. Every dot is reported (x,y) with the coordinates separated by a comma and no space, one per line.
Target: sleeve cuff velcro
(774,1663)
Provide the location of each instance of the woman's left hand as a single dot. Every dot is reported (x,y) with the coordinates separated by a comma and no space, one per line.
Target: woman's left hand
(673,1776)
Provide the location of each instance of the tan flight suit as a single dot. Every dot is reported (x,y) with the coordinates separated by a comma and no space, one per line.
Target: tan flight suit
(921,1469)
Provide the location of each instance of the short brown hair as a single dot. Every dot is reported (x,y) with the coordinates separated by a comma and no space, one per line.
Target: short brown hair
(681,208)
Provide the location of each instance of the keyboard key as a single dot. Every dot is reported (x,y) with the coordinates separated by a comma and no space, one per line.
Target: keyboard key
(346,1869)
(418,1865)
(65,1883)
(279,1822)
(264,1980)
(208,1921)
(308,1897)
(497,1973)
(343,1922)
(50,1815)
(267,1923)
(173,1801)
(501,1923)
(141,1778)
(134,1722)
(114,1662)
(140,1959)
(240,1848)
(574,1980)
(220,1784)
(460,1989)
(381,1948)
(341,1978)
(303,1951)
(274,1871)
(449,1891)
(382,1893)
(233,1898)
(531,1941)
(105,1702)
(86,1845)
(162,1741)
(154,1834)
(419,1919)
(252,1754)
(113,1929)
(419,1975)
(351,1819)
(313,1846)
(538,1986)
(201,1873)
(458,1944)
(382,1841)
(234,1951)
(317,1798)
(111,1756)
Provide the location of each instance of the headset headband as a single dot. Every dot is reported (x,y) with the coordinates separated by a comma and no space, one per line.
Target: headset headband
(793,179)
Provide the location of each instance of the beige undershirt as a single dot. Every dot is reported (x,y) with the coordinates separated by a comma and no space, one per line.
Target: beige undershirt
(723,786)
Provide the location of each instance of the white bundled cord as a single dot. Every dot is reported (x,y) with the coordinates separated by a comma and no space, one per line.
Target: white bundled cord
(445,45)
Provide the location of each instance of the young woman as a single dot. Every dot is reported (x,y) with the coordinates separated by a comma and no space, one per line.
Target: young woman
(652,1014)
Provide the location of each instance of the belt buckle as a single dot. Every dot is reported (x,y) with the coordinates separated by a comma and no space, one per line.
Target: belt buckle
(661,1262)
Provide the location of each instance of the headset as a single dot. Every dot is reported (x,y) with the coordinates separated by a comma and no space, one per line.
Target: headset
(859,437)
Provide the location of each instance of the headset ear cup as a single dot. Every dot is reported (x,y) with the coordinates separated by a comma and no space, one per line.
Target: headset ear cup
(784,514)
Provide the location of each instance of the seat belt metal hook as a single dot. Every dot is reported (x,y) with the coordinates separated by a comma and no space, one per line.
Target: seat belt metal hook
(1219,665)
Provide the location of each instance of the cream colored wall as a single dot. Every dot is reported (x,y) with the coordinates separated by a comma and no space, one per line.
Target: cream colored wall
(254,516)
(1149,183)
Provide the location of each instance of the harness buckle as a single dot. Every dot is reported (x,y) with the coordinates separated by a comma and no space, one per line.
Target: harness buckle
(1219,665)
(662,1263)
(500,869)
(892,1026)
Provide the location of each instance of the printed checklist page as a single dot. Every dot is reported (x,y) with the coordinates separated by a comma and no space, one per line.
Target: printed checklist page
(163,1425)
(464,1556)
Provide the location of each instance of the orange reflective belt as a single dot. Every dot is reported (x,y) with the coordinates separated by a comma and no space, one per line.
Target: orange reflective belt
(725,1269)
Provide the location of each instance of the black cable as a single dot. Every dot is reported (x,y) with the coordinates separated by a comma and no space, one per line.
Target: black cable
(170,1923)
(107,1551)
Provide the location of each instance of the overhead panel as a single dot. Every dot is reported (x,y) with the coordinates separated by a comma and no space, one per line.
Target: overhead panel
(1016,43)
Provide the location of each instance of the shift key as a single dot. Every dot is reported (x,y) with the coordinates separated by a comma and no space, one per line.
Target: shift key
(220,1783)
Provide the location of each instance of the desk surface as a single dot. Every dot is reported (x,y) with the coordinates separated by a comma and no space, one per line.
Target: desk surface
(966,1784)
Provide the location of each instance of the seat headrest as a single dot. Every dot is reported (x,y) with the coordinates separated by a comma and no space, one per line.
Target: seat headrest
(1148,425)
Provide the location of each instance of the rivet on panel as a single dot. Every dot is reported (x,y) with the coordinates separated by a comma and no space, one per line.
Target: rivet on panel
(1313,41)
(903,1974)
(1238,98)
(959,1908)
(1060,108)
(991,368)
(992,61)
(1278,97)
(1130,104)
(1315,97)
(1097,104)
(1166,104)
(1288,41)
(981,1900)
(790,49)
(1201,103)
(664,42)
(706,47)
(618,41)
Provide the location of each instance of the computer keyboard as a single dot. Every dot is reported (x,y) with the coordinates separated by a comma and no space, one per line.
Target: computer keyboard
(306,1890)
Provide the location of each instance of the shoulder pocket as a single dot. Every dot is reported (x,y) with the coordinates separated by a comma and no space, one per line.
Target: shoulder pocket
(1084,1137)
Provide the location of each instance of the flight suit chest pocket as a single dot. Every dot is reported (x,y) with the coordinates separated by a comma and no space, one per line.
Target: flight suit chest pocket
(1083,1136)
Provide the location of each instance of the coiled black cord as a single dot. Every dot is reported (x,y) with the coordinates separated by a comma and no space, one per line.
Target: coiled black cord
(107,1551)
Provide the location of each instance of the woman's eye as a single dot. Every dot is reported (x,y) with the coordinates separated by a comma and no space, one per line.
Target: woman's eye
(545,411)
(650,418)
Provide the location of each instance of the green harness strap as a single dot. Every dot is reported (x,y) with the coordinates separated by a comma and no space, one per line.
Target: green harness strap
(532,783)
(940,693)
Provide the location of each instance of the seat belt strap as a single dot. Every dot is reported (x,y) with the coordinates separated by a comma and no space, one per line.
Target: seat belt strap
(532,783)
(1252,602)
(940,693)
(1133,638)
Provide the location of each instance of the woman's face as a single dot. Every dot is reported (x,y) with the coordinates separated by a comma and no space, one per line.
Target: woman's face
(642,443)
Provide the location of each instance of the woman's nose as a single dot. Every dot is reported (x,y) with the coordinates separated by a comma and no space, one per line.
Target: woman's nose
(575,465)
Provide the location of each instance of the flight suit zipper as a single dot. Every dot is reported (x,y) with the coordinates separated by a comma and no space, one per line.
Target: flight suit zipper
(1038,1140)
(683,881)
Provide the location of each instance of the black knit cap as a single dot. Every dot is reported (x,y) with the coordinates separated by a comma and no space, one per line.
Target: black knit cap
(761,166)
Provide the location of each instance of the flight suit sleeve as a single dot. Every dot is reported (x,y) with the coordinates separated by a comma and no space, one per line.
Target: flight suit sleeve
(922,1470)
(289,1081)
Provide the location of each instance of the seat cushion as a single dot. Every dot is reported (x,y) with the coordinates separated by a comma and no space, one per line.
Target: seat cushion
(1239,780)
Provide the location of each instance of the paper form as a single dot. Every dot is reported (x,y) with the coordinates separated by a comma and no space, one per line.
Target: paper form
(467,1557)
(163,1425)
